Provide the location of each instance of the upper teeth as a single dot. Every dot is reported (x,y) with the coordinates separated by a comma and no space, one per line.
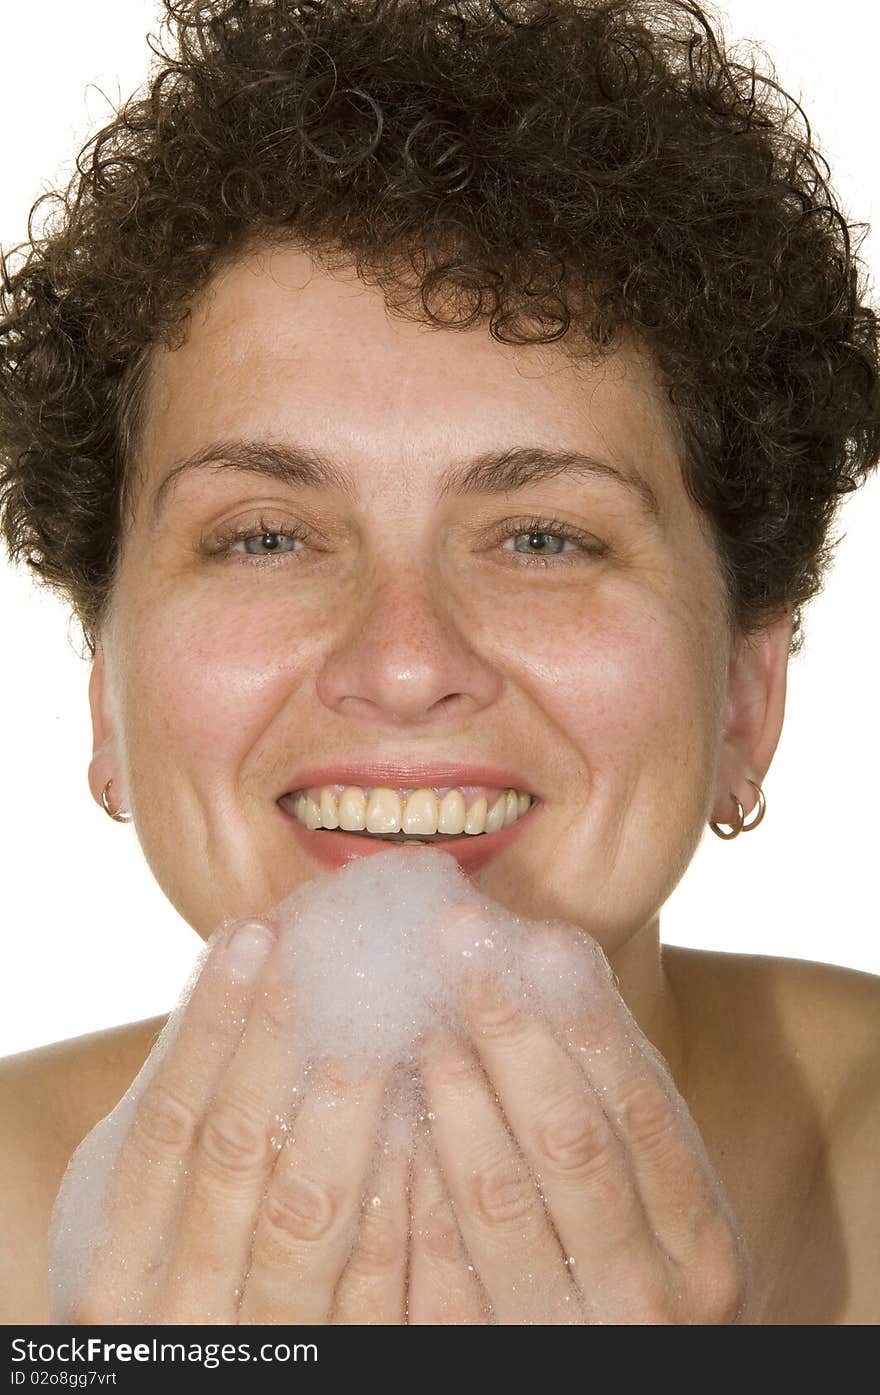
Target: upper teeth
(418,812)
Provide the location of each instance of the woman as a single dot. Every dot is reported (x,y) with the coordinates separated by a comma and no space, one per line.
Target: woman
(225,391)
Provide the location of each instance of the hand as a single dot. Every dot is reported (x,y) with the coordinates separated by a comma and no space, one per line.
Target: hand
(580,1189)
(210,1220)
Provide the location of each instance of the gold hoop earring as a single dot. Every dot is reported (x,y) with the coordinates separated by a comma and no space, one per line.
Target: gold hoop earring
(762,805)
(740,826)
(735,827)
(117,817)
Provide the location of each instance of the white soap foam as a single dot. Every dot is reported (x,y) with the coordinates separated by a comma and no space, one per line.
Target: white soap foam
(375,954)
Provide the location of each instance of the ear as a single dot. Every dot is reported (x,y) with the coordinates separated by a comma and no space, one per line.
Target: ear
(753,715)
(105,763)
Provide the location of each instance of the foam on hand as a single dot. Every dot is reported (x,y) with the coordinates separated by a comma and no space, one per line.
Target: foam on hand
(379,951)
(374,955)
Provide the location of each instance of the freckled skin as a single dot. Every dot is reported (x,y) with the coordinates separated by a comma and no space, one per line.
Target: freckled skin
(401,631)
(407,628)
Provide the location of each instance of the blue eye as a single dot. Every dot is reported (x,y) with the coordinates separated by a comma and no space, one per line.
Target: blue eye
(270,541)
(540,538)
(540,531)
(264,541)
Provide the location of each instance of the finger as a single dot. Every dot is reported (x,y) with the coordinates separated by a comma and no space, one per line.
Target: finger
(500,1214)
(309,1218)
(444,1289)
(372,1289)
(245,1125)
(582,1167)
(150,1169)
(681,1196)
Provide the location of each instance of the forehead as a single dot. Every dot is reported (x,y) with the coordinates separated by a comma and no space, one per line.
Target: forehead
(279,348)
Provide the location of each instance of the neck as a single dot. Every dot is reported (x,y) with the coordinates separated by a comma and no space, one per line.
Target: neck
(648,993)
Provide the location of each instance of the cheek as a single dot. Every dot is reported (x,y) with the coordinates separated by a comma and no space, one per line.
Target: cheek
(629,681)
(629,691)
(200,687)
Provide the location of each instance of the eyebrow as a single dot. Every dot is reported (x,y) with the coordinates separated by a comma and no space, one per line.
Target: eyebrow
(492,472)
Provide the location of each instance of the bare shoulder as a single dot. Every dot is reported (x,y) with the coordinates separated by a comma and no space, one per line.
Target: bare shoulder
(822,1019)
(839,1013)
(800,1042)
(50,1098)
(65,1087)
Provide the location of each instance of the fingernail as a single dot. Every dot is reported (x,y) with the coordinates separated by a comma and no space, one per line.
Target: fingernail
(247,951)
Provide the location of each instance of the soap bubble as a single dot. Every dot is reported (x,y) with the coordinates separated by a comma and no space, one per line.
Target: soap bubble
(370,957)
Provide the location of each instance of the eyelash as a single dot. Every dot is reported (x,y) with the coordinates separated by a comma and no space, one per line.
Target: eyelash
(545,527)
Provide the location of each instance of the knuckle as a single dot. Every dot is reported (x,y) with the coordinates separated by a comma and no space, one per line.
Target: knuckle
(613,1188)
(438,1233)
(572,1138)
(163,1122)
(497,1018)
(647,1116)
(379,1247)
(233,1139)
(337,1074)
(591,1157)
(275,1010)
(299,1208)
(502,1194)
(451,1069)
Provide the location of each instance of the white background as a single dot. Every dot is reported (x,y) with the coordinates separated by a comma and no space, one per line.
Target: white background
(90,939)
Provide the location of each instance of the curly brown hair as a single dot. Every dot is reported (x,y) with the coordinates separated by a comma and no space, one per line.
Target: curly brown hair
(576,168)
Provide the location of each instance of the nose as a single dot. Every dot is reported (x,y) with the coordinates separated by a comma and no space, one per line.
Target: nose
(404,660)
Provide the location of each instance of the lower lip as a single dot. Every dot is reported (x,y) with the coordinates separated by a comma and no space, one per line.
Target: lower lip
(471,851)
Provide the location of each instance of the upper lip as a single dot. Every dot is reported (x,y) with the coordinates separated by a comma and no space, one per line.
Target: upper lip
(388,775)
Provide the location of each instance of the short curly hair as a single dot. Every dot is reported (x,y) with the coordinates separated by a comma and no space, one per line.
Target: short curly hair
(577,168)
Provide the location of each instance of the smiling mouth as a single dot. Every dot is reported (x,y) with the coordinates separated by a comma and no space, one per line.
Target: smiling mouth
(335,846)
(436,815)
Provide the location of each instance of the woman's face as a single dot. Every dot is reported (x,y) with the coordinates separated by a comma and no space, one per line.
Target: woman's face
(407,625)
